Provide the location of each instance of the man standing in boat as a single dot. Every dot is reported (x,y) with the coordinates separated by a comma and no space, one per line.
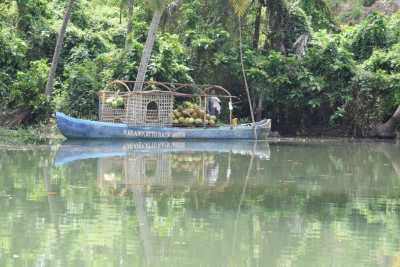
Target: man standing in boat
(213,105)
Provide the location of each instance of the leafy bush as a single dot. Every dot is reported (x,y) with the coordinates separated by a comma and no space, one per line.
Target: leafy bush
(370,34)
(387,61)
(374,99)
(297,24)
(12,52)
(27,91)
(32,15)
(124,64)
(320,13)
(169,61)
(81,86)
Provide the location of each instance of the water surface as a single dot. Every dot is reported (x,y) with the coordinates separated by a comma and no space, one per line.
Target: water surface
(200,204)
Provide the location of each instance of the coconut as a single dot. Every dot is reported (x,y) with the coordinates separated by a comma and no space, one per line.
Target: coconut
(109,100)
(193,114)
(119,102)
(187,104)
(190,111)
(186,112)
(115,102)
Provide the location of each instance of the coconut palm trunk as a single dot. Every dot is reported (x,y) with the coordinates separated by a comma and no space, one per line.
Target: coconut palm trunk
(148,48)
(151,37)
(57,50)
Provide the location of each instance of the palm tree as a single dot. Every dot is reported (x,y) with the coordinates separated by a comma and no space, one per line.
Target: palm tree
(57,50)
(240,7)
(151,36)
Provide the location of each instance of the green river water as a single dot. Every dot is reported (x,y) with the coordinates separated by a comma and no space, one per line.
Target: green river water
(200,204)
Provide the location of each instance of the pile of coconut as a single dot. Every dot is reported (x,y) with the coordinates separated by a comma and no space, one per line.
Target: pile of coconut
(191,115)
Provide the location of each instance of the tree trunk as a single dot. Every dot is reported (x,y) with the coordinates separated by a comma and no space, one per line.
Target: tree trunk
(128,40)
(57,51)
(257,23)
(148,48)
(387,129)
(277,13)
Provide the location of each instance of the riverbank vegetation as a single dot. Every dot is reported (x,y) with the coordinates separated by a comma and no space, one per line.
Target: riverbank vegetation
(313,66)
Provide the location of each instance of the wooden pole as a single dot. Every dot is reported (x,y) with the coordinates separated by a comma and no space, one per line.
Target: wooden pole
(245,78)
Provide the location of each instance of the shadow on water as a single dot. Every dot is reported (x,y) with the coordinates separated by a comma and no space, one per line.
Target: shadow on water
(201,204)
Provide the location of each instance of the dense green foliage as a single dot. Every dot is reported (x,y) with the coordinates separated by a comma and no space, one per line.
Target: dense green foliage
(347,78)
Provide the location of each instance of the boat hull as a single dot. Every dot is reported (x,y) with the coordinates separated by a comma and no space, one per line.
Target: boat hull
(73,128)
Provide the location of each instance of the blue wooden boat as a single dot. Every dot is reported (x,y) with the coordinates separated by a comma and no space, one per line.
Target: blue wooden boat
(74,128)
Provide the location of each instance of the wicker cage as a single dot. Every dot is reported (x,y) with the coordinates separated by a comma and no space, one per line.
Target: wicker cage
(154,105)
(150,108)
(107,113)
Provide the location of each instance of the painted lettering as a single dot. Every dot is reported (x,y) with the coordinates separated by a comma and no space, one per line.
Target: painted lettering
(152,134)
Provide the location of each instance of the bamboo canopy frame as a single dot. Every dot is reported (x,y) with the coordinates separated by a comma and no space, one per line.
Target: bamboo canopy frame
(126,90)
(202,89)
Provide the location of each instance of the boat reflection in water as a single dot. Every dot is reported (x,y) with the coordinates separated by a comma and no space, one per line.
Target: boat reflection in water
(202,204)
(148,170)
(131,164)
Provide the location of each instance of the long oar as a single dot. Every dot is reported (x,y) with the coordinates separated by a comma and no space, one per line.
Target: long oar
(245,79)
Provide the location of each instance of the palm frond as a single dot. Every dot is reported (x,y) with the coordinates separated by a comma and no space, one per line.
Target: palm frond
(240,6)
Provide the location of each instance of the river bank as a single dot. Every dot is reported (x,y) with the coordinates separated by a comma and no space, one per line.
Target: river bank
(38,134)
